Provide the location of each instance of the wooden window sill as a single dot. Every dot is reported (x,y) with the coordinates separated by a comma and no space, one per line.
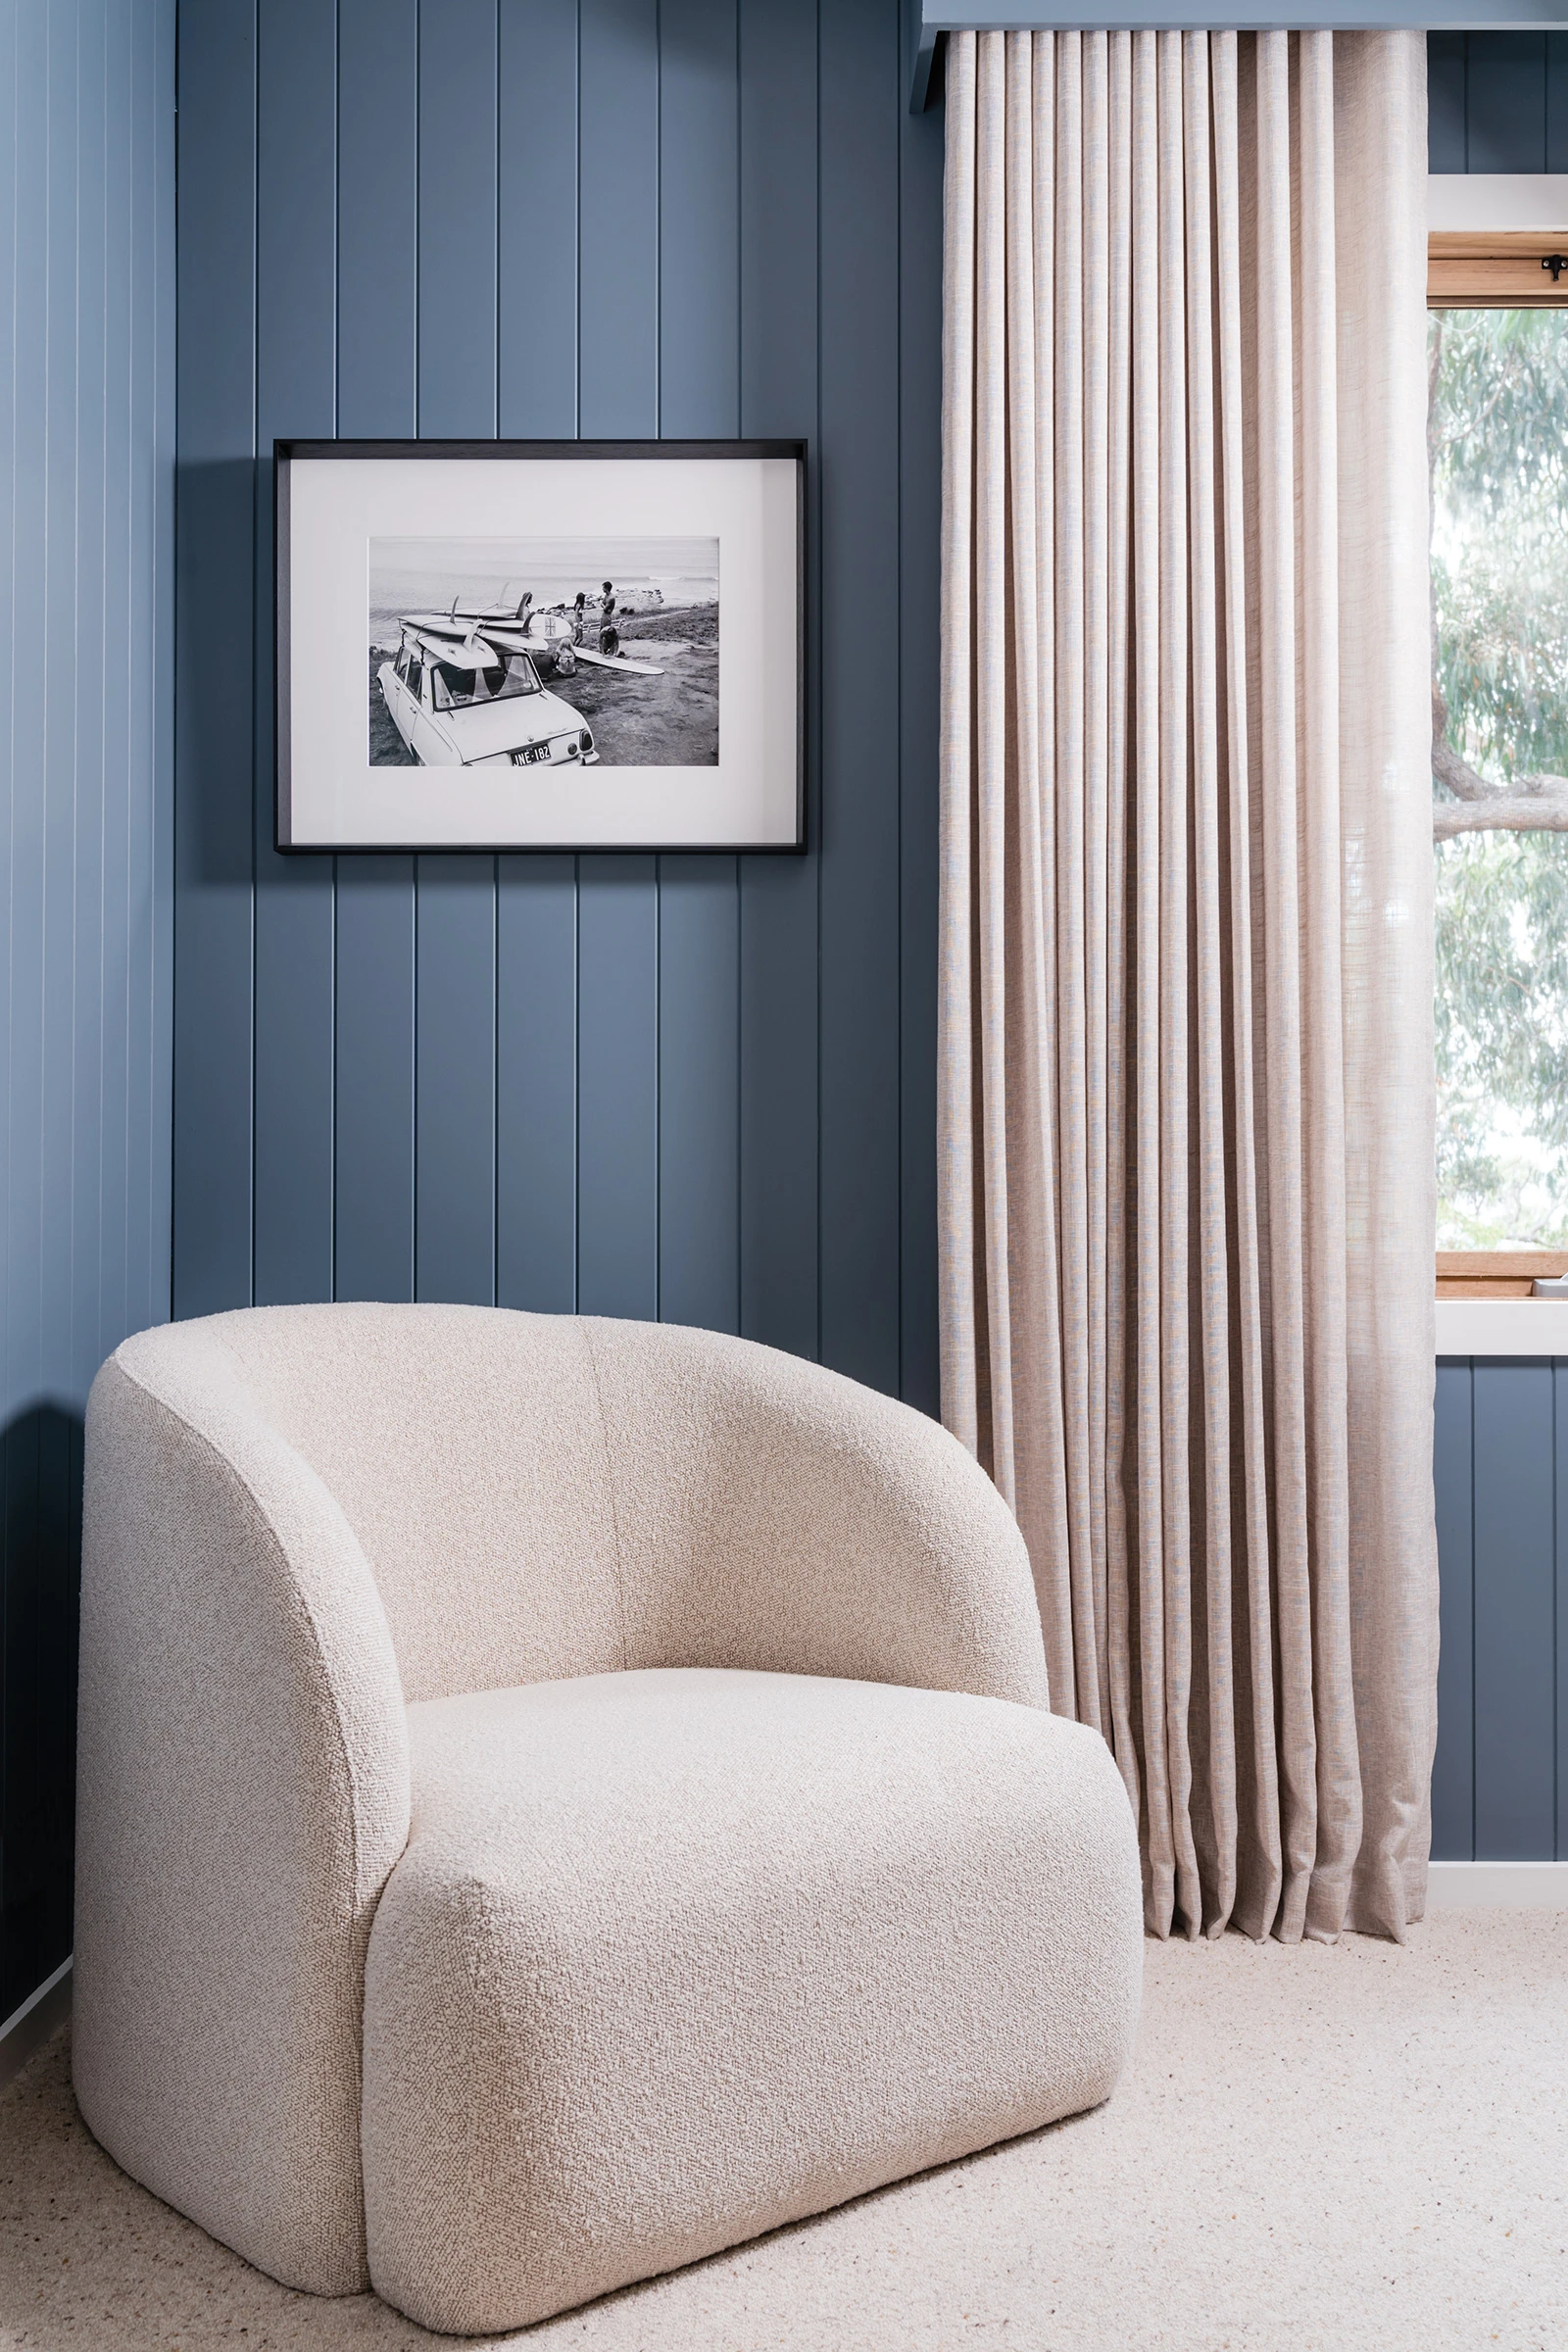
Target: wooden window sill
(1497,1273)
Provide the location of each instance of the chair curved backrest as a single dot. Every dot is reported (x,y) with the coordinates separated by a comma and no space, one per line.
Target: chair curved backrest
(542,1496)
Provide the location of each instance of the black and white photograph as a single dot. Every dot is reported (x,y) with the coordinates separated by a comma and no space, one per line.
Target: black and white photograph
(547,651)
(540,645)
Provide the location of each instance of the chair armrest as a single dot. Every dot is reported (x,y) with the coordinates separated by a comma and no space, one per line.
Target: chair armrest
(242,1796)
(772,1514)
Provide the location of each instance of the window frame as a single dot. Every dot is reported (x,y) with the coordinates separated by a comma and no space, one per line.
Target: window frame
(1486,251)
(1488,235)
(1495,269)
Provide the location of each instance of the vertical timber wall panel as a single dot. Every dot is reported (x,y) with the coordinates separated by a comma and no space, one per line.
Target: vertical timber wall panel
(1515,1570)
(695,1087)
(780,372)
(536,909)
(859,539)
(1505,102)
(1559,1383)
(698,897)
(1499,1785)
(86,425)
(617,988)
(378,378)
(214,659)
(1453,1792)
(454,1032)
(296,377)
(920,630)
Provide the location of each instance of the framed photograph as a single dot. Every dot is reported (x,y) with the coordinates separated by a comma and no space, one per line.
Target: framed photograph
(540,645)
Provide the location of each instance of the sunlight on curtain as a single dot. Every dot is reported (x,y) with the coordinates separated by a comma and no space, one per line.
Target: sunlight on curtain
(1185,1144)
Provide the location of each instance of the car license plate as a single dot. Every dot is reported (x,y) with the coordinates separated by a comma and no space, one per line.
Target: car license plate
(530,755)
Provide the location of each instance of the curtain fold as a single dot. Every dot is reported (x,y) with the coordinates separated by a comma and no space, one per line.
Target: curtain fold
(1185,1029)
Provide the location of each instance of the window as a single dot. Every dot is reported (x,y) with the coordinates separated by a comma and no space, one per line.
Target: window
(1497,447)
(457,689)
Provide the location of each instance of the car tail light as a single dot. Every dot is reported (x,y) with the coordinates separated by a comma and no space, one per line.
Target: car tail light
(586,740)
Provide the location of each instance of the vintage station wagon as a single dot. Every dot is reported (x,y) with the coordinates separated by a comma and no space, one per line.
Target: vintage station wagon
(474,704)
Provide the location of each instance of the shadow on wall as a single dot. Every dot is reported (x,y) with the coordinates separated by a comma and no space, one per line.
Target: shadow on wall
(217,508)
(40,1497)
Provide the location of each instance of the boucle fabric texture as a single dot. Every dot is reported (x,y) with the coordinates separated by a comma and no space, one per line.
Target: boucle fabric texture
(675,1957)
(298,1520)
(242,1793)
(605,1494)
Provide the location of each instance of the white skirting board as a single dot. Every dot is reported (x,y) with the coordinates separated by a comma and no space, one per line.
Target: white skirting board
(1490,1886)
(29,2028)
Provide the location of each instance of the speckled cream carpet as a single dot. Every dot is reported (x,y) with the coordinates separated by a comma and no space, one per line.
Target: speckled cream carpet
(1326,2149)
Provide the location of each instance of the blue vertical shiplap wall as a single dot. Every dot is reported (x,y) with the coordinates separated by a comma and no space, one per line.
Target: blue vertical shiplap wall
(86,448)
(1499,1786)
(1498,102)
(695,1087)
(692,1087)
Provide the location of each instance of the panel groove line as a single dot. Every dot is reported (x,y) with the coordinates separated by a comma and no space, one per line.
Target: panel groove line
(456,974)
(858,976)
(699,952)
(296,395)
(536,914)
(617,1000)
(782,328)
(376,357)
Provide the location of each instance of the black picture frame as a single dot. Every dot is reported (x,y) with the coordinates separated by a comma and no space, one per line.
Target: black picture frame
(290,453)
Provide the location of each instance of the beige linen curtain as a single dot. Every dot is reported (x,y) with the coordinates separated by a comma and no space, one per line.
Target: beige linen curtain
(1185,1144)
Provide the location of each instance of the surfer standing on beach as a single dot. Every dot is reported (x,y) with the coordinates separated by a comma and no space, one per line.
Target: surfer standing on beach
(608,636)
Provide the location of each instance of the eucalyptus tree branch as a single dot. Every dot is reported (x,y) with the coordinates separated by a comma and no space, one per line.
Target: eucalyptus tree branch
(1460,778)
(1448,766)
(1529,805)
(1536,810)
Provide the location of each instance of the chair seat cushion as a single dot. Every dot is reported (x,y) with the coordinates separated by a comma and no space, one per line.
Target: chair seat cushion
(673,1957)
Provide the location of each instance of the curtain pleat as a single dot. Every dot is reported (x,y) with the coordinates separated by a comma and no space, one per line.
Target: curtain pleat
(1185,1025)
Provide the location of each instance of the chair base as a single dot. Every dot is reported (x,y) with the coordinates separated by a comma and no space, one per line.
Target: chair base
(675,1957)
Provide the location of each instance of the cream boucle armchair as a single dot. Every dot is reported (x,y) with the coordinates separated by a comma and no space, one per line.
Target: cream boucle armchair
(558,1797)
